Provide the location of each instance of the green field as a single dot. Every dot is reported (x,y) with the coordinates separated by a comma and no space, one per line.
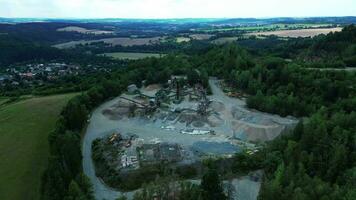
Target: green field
(132,56)
(182,39)
(3,100)
(24,127)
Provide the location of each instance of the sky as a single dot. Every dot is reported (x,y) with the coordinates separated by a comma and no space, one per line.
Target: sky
(158,9)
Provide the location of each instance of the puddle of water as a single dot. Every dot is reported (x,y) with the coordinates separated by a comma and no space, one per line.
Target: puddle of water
(215,147)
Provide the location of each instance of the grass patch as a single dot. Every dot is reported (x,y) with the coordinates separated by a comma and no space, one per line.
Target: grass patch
(24,127)
(3,100)
(182,39)
(132,56)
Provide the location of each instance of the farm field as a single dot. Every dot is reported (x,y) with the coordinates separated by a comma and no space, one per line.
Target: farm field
(84,30)
(264,27)
(182,39)
(24,128)
(132,56)
(224,40)
(201,36)
(123,41)
(297,33)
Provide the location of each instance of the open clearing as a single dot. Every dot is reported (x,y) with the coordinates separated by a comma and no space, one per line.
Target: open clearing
(123,41)
(297,33)
(132,56)
(84,30)
(24,128)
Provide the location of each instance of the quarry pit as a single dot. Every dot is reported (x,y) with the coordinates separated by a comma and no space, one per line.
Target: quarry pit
(181,130)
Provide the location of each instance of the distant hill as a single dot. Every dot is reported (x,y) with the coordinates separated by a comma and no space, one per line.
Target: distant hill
(14,49)
(338,20)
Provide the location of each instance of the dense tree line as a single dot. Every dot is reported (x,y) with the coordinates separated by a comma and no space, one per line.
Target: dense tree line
(210,188)
(290,90)
(334,50)
(18,50)
(317,161)
(14,50)
(276,85)
(64,177)
(46,32)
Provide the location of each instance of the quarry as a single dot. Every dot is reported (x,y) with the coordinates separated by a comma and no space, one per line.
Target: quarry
(178,125)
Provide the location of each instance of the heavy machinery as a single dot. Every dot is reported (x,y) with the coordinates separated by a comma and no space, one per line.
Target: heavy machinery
(148,108)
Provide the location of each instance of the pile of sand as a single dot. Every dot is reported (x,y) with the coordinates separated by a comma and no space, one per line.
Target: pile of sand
(119,110)
(152,87)
(258,133)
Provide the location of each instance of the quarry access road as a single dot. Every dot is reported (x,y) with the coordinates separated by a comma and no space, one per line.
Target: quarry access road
(99,126)
(235,103)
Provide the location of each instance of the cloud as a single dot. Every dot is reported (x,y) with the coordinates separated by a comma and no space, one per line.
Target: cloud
(174,8)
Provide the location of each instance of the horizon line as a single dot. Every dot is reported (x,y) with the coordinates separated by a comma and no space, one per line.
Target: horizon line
(178,18)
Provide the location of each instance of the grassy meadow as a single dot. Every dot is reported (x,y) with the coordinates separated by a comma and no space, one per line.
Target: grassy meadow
(182,39)
(24,127)
(3,100)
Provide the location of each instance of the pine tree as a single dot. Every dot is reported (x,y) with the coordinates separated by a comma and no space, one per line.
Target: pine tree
(212,186)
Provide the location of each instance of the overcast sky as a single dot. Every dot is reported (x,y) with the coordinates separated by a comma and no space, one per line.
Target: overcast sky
(175,8)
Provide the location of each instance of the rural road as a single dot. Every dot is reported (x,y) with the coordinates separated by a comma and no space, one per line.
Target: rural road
(349,69)
(99,126)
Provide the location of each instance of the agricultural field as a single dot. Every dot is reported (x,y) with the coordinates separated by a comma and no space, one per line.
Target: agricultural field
(201,36)
(132,56)
(182,39)
(297,33)
(123,41)
(24,128)
(224,40)
(84,30)
(264,27)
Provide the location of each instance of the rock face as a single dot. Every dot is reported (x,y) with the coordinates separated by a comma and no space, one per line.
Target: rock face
(258,127)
